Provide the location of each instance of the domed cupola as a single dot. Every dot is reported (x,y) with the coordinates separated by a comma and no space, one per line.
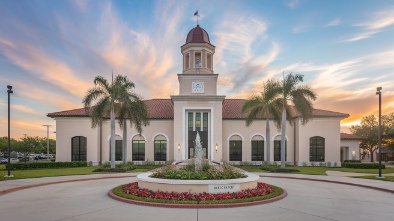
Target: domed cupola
(197,35)
(198,52)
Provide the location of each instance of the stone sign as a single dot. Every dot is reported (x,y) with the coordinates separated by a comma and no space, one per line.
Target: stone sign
(214,188)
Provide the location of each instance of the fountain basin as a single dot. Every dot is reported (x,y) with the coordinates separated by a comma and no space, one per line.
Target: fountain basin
(198,186)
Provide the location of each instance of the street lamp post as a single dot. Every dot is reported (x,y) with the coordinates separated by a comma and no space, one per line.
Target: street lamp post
(47,139)
(9,139)
(378,92)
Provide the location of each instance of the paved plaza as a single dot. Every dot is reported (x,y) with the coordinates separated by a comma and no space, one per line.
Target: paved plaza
(306,200)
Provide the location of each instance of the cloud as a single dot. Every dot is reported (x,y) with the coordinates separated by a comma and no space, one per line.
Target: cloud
(334,22)
(345,86)
(22,108)
(380,20)
(361,36)
(292,3)
(301,29)
(242,39)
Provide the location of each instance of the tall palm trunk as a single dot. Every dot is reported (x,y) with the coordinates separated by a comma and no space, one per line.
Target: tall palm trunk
(268,135)
(283,141)
(112,147)
(124,144)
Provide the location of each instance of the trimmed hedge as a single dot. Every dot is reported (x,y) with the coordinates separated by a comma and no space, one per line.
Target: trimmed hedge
(352,161)
(362,165)
(46,165)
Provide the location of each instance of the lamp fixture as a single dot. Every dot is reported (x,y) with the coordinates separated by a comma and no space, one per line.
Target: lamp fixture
(216,148)
(179,147)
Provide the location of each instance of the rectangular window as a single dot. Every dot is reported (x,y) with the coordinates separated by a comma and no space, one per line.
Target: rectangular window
(198,121)
(257,150)
(190,121)
(160,150)
(205,121)
(138,150)
(236,150)
(277,150)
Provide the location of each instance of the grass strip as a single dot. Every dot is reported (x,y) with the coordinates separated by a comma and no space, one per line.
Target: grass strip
(386,178)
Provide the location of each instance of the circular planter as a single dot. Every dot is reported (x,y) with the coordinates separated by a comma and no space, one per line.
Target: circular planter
(198,186)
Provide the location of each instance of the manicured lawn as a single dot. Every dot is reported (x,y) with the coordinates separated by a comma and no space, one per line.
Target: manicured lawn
(36,173)
(386,178)
(317,170)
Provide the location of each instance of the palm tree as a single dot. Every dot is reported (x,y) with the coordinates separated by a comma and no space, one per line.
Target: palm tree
(134,110)
(264,106)
(300,97)
(107,98)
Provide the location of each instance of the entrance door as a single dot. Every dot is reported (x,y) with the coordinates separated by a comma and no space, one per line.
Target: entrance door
(197,121)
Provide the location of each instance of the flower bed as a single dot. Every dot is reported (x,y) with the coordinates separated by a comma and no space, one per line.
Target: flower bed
(261,192)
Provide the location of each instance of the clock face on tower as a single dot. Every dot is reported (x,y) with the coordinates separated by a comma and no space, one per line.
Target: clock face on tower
(198,87)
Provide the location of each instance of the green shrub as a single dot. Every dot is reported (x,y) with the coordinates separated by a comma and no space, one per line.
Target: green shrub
(211,173)
(352,161)
(362,165)
(46,165)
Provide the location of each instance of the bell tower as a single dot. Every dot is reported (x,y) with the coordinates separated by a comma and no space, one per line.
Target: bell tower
(198,52)
(198,77)
(197,107)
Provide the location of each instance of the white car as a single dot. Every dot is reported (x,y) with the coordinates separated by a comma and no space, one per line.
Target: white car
(3,160)
(14,160)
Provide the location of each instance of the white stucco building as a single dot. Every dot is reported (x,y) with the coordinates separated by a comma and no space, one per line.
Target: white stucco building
(175,121)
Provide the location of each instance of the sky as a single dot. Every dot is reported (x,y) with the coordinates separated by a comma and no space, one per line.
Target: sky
(50,51)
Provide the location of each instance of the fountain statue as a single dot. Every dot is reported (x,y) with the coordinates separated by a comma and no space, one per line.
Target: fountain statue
(198,154)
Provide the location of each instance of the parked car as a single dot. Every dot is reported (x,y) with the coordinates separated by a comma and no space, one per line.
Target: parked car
(14,160)
(3,160)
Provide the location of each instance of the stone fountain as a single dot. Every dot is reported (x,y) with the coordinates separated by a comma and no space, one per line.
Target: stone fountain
(197,186)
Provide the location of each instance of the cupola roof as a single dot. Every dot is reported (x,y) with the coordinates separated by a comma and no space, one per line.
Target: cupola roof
(197,35)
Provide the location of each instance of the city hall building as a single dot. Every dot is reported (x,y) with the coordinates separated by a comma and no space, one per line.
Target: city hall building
(174,123)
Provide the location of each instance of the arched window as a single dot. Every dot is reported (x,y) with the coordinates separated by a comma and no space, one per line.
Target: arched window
(160,148)
(278,149)
(235,148)
(316,149)
(138,148)
(78,148)
(257,148)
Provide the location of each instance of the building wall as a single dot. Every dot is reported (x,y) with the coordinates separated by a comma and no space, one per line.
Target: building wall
(258,127)
(222,130)
(329,129)
(156,128)
(352,145)
(69,127)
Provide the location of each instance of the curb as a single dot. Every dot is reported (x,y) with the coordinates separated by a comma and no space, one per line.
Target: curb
(197,206)
(331,181)
(3,192)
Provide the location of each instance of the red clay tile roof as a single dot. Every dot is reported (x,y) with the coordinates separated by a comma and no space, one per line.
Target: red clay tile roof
(197,35)
(164,109)
(232,110)
(160,108)
(345,136)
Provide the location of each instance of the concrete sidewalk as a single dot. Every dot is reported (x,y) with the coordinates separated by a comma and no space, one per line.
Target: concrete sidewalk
(20,183)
